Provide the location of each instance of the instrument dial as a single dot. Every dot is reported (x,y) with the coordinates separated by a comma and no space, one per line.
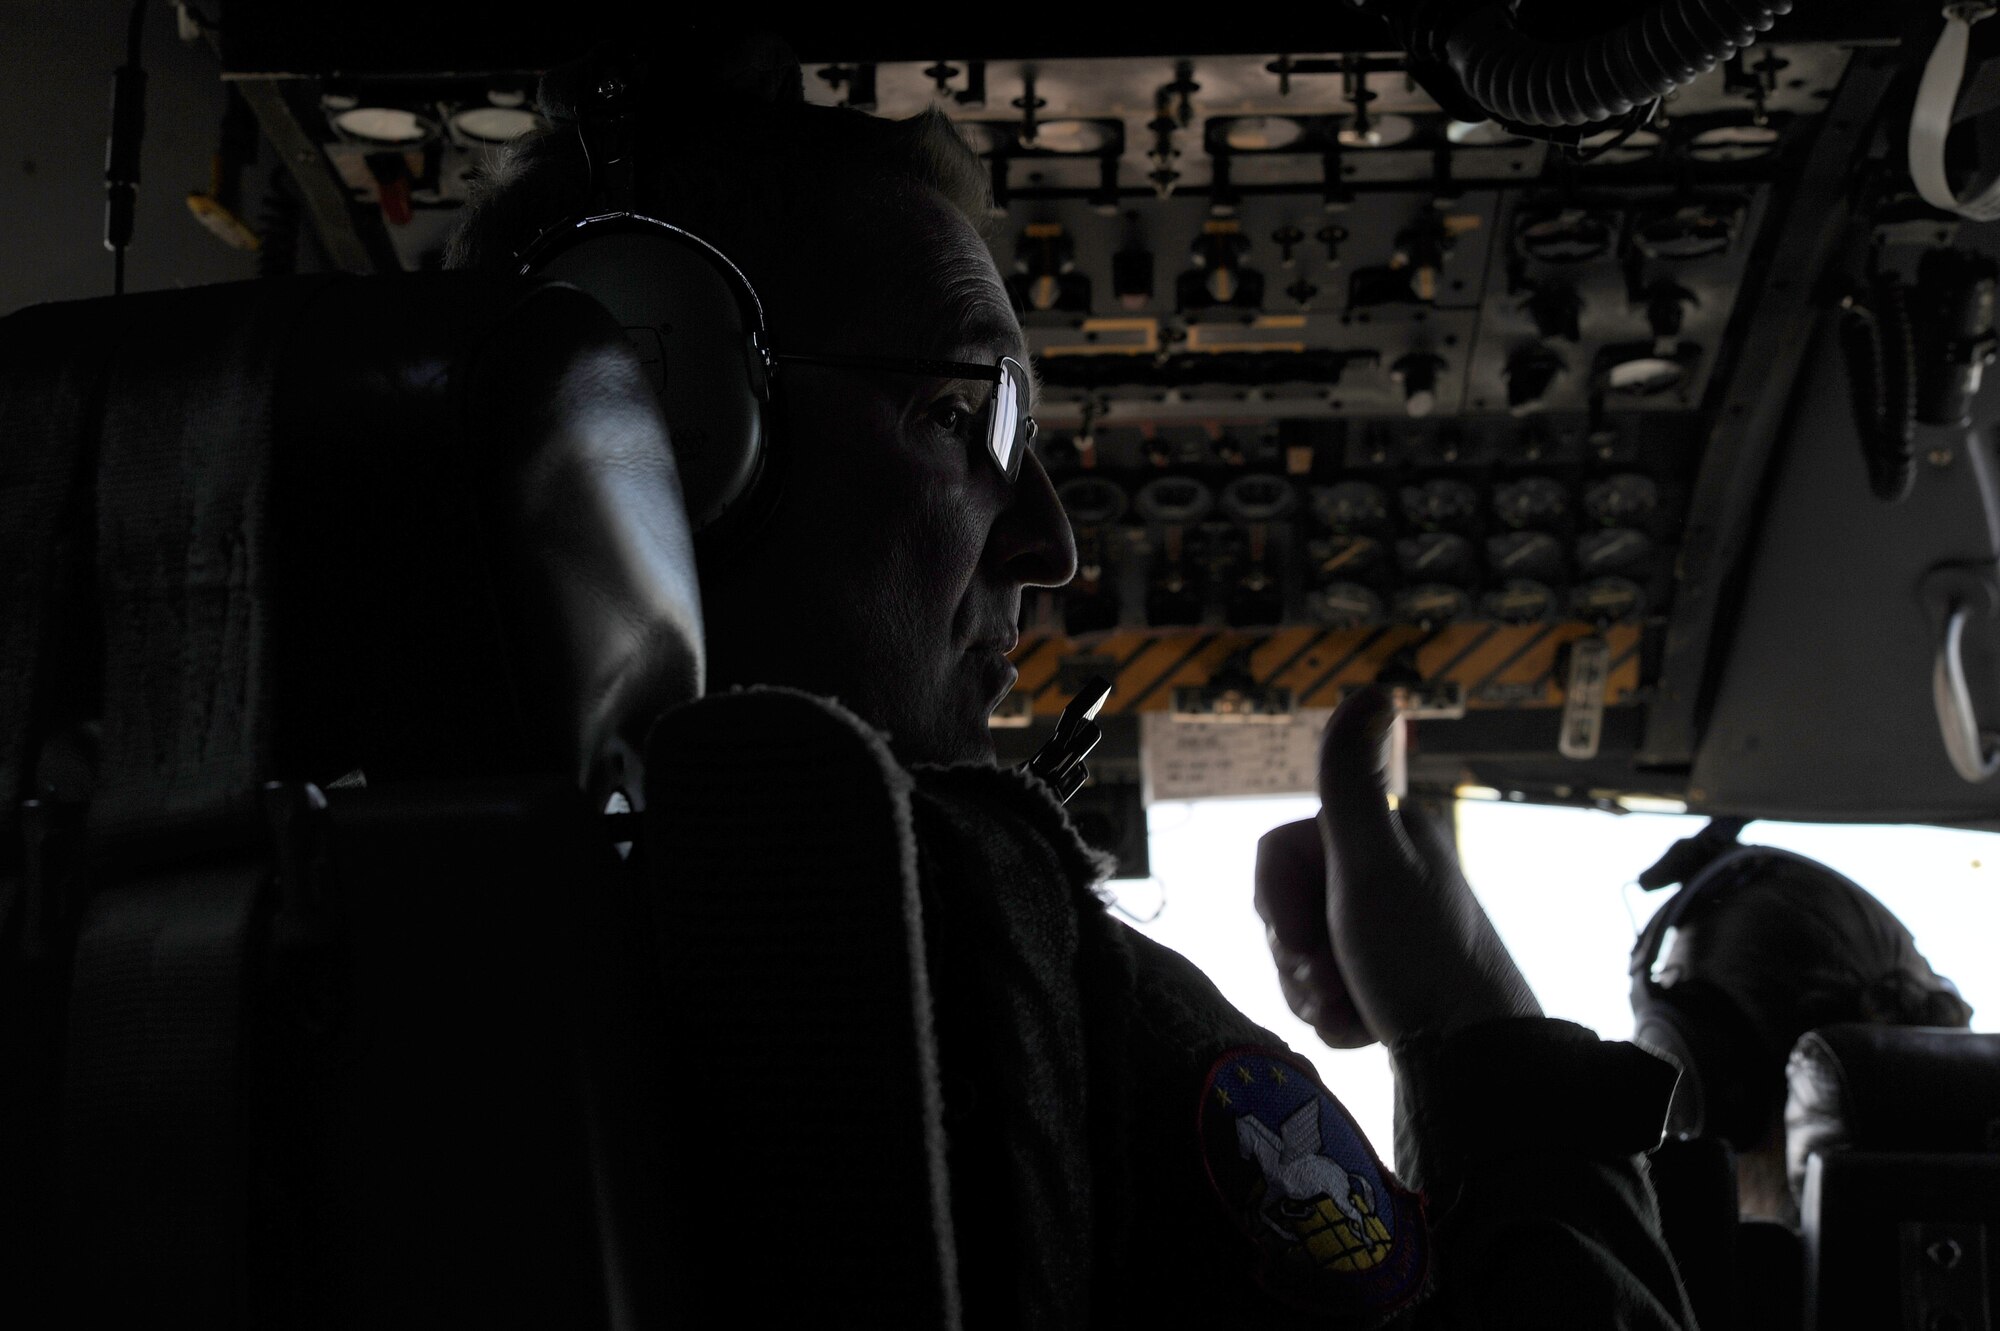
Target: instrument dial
(1622,500)
(1733,143)
(1608,600)
(1344,605)
(1438,556)
(1348,558)
(1433,603)
(1174,499)
(1520,601)
(1440,505)
(1533,501)
(1565,235)
(1644,375)
(1618,550)
(1257,498)
(1534,555)
(1091,500)
(1686,231)
(1351,506)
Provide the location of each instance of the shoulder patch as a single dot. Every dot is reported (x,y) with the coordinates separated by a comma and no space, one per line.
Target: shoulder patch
(1332,1229)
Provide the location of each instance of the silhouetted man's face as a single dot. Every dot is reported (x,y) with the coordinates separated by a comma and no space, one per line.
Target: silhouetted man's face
(891,574)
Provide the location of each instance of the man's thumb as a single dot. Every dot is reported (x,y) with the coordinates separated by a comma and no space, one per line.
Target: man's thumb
(1354,799)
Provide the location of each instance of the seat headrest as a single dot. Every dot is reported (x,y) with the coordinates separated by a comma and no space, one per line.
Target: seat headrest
(1891,1088)
(420,526)
(534,494)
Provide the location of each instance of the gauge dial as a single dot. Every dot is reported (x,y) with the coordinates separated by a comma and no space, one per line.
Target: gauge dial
(1644,376)
(1262,134)
(1432,603)
(495,124)
(1067,136)
(1348,558)
(1258,498)
(1532,501)
(1686,231)
(1376,131)
(1344,605)
(1520,601)
(1566,235)
(1636,147)
(1608,600)
(1733,143)
(1622,500)
(1534,555)
(1174,499)
(1351,506)
(1438,556)
(384,124)
(1438,505)
(1091,500)
(1618,550)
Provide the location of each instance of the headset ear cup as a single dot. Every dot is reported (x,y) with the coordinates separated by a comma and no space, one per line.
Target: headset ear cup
(1659,1032)
(738,525)
(1730,1085)
(698,329)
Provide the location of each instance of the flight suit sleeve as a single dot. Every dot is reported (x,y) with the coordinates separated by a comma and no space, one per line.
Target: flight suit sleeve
(1527,1136)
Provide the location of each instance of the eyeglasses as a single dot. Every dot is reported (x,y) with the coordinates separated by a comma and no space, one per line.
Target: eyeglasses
(1009,429)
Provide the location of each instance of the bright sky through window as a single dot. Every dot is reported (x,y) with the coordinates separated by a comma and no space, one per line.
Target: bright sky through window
(1558,884)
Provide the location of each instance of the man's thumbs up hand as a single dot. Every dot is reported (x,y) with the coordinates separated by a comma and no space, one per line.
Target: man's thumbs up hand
(1375,933)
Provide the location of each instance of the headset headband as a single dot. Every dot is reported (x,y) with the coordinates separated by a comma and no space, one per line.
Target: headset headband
(1646,952)
(560,236)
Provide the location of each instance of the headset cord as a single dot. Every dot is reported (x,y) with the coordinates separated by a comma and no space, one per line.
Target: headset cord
(121,151)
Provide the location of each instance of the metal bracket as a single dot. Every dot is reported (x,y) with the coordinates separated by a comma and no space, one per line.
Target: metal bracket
(351,243)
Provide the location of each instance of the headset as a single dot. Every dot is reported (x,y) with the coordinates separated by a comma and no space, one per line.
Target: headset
(1728,1077)
(690,313)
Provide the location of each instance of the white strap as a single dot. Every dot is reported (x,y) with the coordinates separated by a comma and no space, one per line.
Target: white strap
(1930,122)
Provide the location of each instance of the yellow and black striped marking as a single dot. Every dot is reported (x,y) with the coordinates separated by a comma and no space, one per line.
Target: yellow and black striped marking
(1498,665)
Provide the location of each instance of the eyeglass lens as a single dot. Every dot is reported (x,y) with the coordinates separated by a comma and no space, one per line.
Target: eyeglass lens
(1010,430)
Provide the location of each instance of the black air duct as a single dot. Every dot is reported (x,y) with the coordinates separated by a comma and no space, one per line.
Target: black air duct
(1522,79)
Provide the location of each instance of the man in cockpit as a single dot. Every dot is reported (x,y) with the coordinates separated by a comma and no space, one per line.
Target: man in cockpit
(1125,1147)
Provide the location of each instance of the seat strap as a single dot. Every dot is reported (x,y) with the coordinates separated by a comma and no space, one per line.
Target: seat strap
(805,1111)
(154,1146)
(184,559)
(51,409)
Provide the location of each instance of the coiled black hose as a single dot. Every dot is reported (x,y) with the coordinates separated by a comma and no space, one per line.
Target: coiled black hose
(1879,344)
(1530,81)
